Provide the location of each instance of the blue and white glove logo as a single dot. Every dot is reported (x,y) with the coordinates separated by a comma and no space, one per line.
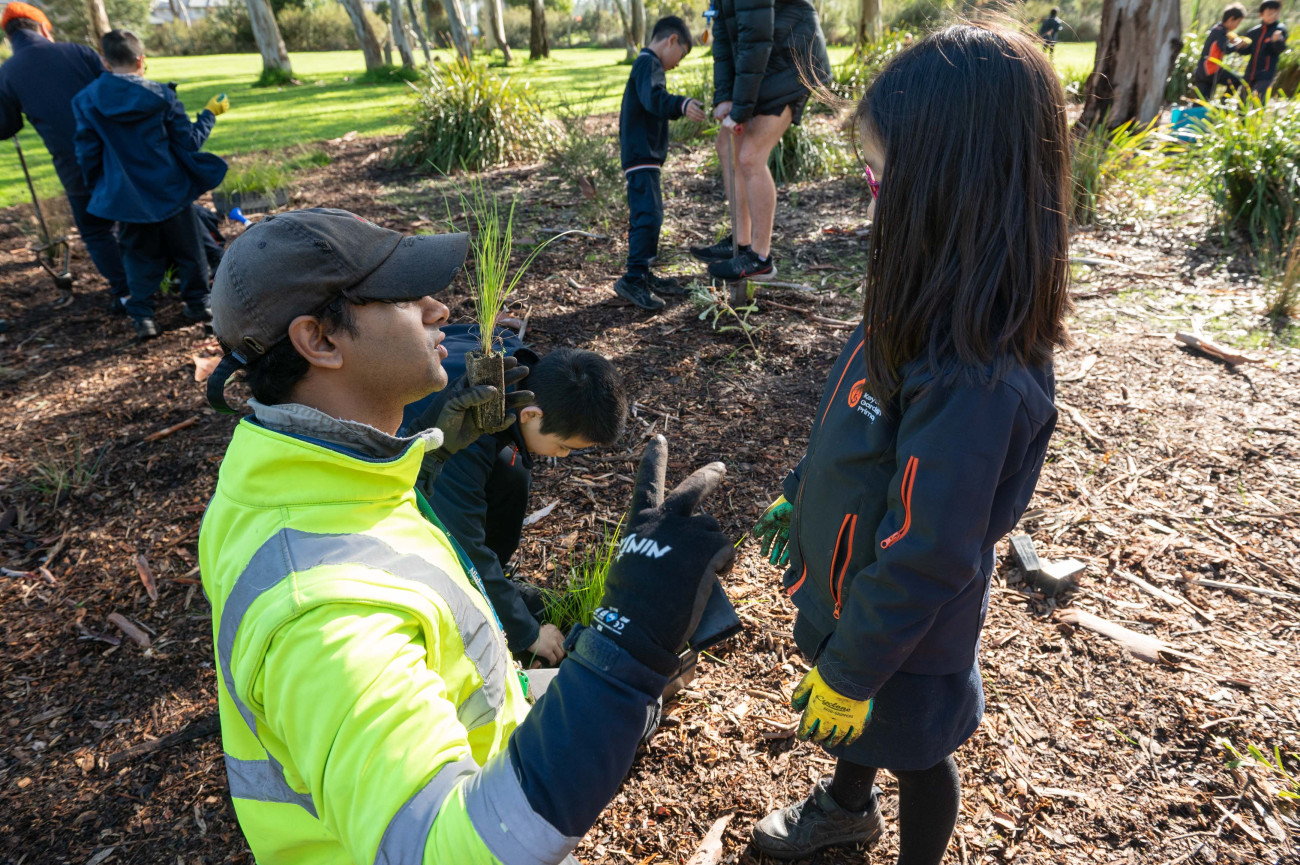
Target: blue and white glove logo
(609,618)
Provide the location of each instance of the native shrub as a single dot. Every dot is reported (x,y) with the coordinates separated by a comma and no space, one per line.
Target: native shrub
(467,117)
(588,161)
(1100,160)
(806,154)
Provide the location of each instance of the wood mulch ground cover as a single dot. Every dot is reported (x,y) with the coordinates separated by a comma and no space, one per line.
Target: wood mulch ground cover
(1173,477)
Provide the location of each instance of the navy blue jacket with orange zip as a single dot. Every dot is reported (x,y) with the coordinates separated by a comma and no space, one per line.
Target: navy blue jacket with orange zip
(1264,52)
(896,513)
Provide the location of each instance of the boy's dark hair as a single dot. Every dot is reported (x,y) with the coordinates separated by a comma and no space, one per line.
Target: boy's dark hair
(121,47)
(13,25)
(580,394)
(1054,12)
(1270,4)
(1233,12)
(670,24)
(969,255)
(272,376)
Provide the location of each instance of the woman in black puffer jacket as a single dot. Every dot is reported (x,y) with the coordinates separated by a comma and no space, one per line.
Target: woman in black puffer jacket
(763,51)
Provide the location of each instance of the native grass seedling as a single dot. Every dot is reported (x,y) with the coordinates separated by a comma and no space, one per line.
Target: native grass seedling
(1266,770)
(713,306)
(491,282)
(69,469)
(573,602)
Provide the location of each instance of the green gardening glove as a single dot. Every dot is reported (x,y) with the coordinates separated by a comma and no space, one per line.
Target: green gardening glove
(773,529)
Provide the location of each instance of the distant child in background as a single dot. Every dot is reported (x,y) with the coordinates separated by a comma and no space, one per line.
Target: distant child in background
(1049,29)
(481,494)
(643,140)
(1219,43)
(141,156)
(1267,42)
(929,439)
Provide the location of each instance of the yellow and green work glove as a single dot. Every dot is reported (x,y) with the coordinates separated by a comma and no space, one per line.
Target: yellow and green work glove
(773,529)
(829,718)
(218,104)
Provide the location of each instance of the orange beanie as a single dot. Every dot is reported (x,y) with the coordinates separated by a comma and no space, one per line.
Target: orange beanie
(24,10)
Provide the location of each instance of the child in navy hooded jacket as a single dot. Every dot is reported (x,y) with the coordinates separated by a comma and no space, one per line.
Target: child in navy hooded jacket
(142,157)
(930,435)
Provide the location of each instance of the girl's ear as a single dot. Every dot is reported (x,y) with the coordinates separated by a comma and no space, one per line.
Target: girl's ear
(314,344)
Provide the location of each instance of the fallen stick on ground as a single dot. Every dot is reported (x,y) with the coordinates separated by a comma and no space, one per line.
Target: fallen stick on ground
(797,286)
(710,850)
(127,627)
(203,727)
(1081,422)
(1214,349)
(1235,587)
(1170,599)
(810,315)
(1141,646)
(174,428)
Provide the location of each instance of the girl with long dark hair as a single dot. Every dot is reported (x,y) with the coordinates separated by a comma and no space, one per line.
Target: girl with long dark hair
(931,433)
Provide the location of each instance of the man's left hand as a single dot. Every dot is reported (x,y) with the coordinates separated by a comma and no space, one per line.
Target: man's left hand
(454,414)
(829,718)
(732,126)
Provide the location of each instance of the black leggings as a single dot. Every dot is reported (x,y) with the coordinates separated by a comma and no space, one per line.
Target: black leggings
(928,802)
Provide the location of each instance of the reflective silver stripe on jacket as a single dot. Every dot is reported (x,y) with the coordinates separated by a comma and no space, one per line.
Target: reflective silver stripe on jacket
(506,822)
(404,839)
(291,551)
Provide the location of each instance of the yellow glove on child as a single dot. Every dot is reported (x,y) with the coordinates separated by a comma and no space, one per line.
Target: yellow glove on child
(829,718)
(218,104)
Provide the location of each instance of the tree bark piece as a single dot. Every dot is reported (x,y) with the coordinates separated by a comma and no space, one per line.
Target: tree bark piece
(710,850)
(370,47)
(129,628)
(1139,42)
(1144,647)
(270,44)
(1082,423)
(1229,356)
(200,729)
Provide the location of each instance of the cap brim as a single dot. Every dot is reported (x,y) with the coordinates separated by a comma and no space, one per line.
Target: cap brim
(420,265)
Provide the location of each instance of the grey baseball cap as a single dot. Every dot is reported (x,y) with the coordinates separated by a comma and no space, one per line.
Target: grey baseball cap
(297,263)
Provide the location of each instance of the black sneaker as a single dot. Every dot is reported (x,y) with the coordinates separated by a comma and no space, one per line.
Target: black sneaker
(145,328)
(665,285)
(117,305)
(637,290)
(798,831)
(200,311)
(719,251)
(747,265)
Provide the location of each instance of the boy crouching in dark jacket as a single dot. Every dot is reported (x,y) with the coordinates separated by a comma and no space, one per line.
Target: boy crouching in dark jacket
(141,156)
(643,141)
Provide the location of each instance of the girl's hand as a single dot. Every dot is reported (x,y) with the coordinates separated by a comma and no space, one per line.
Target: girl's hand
(829,718)
(773,529)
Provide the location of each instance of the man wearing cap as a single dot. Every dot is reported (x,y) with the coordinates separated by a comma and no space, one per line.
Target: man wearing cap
(370,711)
(39,80)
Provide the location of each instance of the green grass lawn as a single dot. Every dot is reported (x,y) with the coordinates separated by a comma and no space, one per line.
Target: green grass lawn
(331,103)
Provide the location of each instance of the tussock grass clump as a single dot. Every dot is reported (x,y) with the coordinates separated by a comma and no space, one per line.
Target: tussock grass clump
(260,174)
(574,602)
(806,154)
(389,74)
(466,117)
(697,83)
(1247,160)
(1100,160)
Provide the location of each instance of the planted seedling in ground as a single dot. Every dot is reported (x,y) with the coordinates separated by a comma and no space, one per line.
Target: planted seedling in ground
(491,283)
(714,305)
(574,602)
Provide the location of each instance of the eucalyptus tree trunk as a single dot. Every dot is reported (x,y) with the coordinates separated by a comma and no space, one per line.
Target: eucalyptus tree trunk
(497,21)
(633,49)
(419,33)
(98,19)
(179,12)
(638,24)
(370,47)
(869,21)
(459,30)
(1136,51)
(267,35)
(399,34)
(538,45)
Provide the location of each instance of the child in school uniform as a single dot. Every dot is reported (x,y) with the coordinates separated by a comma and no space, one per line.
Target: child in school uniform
(643,142)
(574,399)
(930,436)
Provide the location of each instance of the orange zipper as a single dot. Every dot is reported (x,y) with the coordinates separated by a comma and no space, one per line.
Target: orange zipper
(905,490)
(837,588)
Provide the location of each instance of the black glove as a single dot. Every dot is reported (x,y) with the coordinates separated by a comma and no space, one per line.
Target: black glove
(666,566)
(452,412)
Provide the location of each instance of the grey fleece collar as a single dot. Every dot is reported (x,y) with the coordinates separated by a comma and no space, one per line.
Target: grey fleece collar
(297,419)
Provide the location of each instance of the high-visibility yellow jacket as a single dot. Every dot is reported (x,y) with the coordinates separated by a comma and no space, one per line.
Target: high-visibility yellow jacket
(366,694)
